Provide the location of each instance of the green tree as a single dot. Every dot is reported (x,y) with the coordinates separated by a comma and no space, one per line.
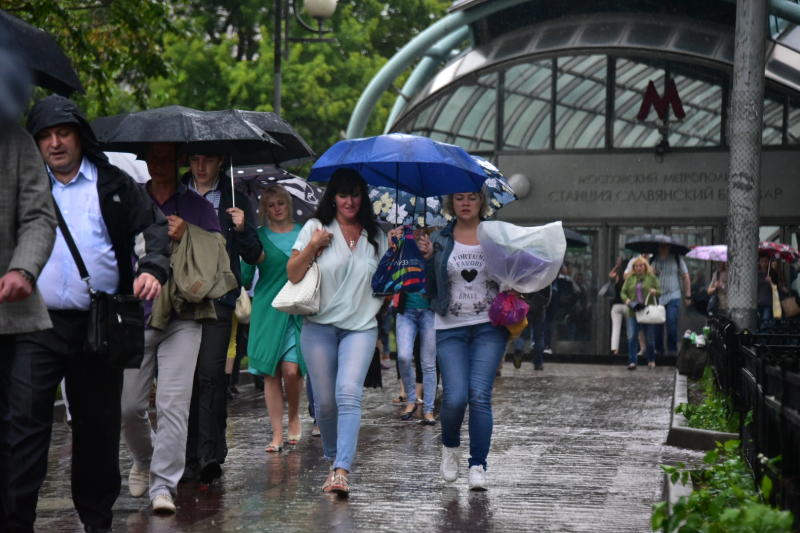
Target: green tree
(115,45)
(321,81)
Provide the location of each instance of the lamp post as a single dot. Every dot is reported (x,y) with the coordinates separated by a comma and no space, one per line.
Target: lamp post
(319,10)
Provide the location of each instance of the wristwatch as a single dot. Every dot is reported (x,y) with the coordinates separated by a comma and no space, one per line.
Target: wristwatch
(25,274)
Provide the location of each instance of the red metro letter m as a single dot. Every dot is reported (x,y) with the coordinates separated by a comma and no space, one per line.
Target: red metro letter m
(651,98)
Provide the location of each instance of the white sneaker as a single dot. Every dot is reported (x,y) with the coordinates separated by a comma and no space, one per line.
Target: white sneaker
(138,480)
(450,459)
(163,503)
(477,478)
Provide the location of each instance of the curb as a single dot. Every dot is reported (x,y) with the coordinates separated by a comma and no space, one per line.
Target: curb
(683,436)
(674,491)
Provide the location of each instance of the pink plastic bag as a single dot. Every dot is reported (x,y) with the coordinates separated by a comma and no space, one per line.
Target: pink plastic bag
(507,308)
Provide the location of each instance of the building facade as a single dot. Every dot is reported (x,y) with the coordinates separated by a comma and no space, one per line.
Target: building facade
(612,117)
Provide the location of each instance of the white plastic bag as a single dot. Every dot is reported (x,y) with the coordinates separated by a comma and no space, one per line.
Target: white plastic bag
(524,259)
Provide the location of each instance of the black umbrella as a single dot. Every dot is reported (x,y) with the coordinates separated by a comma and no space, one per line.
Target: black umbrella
(575,239)
(295,146)
(49,65)
(252,180)
(228,132)
(649,243)
(215,132)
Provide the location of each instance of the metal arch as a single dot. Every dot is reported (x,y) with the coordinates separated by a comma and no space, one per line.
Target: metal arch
(453,22)
(409,53)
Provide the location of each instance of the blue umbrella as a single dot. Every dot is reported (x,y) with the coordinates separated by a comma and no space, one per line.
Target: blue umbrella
(405,208)
(417,165)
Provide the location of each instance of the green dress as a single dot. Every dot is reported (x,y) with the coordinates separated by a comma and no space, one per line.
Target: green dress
(274,335)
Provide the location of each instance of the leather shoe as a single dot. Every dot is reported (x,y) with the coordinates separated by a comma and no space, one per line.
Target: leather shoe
(408,415)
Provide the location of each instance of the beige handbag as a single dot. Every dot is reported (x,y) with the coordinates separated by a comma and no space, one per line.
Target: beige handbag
(243,307)
(777,312)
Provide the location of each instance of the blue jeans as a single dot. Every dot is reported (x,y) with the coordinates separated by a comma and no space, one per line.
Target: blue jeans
(468,358)
(672,308)
(409,323)
(337,362)
(633,339)
(535,332)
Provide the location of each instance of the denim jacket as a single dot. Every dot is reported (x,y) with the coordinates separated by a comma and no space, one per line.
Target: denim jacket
(436,269)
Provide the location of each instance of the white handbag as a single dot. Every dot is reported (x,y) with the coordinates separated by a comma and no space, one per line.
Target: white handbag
(301,298)
(652,313)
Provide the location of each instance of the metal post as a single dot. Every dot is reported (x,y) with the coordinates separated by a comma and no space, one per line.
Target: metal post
(746,119)
(277,40)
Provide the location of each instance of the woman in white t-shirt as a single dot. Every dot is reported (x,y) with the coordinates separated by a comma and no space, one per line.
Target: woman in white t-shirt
(469,347)
(338,342)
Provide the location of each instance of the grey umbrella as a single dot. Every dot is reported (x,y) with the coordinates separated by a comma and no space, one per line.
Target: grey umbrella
(49,65)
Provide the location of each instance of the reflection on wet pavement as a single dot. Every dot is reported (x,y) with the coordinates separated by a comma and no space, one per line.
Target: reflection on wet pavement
(575,448)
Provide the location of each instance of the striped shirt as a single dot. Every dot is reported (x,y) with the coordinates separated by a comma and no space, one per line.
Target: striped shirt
(669,272)
(213,195)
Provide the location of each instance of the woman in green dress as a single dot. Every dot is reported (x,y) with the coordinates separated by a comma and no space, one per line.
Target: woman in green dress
(273,349)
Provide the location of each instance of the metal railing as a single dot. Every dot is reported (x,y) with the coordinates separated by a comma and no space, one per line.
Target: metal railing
(761,372)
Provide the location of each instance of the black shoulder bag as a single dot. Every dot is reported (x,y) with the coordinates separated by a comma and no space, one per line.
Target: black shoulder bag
(115,332)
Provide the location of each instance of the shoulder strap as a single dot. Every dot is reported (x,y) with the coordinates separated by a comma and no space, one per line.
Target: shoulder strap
(73,249)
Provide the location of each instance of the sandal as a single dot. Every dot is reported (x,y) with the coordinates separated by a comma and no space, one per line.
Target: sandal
(339,485)
(399,399)
(294,439)
(326,487)
(271,448)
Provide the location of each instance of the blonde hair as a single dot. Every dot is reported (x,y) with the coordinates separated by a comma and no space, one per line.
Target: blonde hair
(269,192)
(648,268)
(447,204)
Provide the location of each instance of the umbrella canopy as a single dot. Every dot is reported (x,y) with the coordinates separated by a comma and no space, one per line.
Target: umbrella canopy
(575,239)
(296,149)
(252,180)
(649,243)
(714,252)
(50,66)
(776,250)
(210,132)
(417,165)
(399,207)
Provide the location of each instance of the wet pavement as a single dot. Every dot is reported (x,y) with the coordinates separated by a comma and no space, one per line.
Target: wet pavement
(575,448)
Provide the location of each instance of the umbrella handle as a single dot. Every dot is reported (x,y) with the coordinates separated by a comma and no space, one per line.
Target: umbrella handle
(233,191)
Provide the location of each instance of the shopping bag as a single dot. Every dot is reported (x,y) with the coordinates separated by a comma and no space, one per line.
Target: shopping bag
(508,308)
(401,269)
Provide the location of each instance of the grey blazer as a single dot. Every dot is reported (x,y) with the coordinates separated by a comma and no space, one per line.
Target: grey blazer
(27,225)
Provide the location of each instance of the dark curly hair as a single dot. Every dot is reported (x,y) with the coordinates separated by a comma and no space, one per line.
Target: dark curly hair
(348,181)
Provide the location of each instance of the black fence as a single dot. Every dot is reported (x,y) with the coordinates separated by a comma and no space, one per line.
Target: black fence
(761,372)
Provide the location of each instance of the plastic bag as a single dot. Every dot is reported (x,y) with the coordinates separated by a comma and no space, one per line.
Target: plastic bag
(524,259)
(401,269)
(508,308)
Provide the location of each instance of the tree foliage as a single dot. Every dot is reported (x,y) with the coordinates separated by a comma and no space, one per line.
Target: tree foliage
(115,45)
(217,54)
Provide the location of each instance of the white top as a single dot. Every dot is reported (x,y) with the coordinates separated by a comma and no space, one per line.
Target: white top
(346,299)
(59,282)
(471,290)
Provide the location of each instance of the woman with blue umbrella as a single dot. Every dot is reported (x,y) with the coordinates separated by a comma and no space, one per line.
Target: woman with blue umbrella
(469,348)
(339,340)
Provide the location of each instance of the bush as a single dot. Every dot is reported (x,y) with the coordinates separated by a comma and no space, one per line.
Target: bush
(724,500)
(715,412)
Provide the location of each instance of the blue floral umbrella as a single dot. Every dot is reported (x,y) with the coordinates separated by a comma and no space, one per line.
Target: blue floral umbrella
(400,207)
(418,165)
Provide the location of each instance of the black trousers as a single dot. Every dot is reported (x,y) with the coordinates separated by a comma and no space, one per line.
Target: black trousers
(6,353)
(40,361)
(208,413)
